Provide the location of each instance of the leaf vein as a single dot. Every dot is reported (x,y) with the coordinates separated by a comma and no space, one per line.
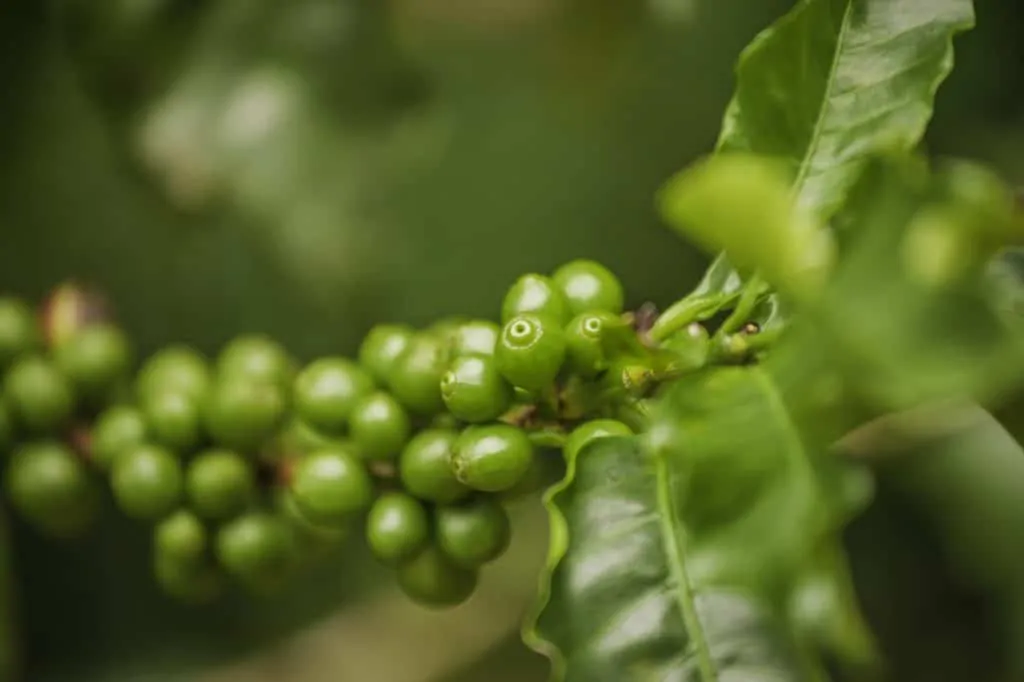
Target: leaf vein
(671,537)
(819,123)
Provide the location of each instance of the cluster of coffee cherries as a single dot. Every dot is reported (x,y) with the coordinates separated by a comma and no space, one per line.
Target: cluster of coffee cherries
(247,464)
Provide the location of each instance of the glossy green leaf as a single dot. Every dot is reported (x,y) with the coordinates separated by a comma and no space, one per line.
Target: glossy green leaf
(622,603)
(835,80)
(735,505)
(821,90)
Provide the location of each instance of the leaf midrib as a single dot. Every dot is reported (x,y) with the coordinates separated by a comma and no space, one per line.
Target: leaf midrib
(673,534)
(673,537)
(819,123)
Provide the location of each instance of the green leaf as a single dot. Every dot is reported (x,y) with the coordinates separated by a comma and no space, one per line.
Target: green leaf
(910,319)
(662,563)
(764,231)
(836,80)
(621,603)
(820,91)
(718,288)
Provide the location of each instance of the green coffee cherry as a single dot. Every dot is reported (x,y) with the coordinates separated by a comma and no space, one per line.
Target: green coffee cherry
(432,580)
(176,369)
(381,348)
(397,528)
(220,484)
(587,342)
(584,434)
(446,329)
(416,375)
(492,458)
(256,358)
(19,331)
(51,488)
(538,295)
(475,337)
(258,549)
(298,437)
(330,486)
(38,394)
(474,391)
(589,286)
(311,537)
(531,352)
(192,583)
(96,359)
(243,413)
(173,419)
(379,427)
(147,482)
(181,537)
(327,389)
(473,533)
(425,467)
(117,429)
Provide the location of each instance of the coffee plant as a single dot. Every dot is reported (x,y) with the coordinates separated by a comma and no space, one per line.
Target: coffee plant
(689,457)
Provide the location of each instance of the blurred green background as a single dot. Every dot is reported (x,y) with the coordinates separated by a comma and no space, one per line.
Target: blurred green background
(308,168)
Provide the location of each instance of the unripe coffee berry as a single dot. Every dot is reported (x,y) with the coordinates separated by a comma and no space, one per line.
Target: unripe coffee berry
(117,429)
(242,413)
(19,332)
(176,369)
(588,285)
(220,484)
(538,295)
(416,376)
(531,351)
(147,482)
(432,580)
(492,458)
(379,427)
(330,486)
(425,467)
(397,528)
(381,348)
(473,533)
(38,394)
(474,390)
(95,359)
(257,358)
(327,389)
(51,488)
